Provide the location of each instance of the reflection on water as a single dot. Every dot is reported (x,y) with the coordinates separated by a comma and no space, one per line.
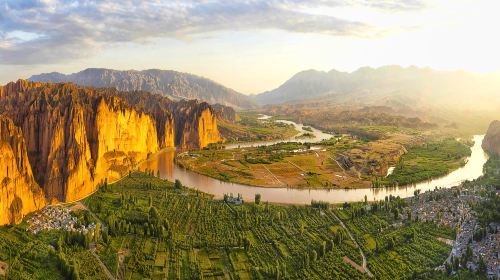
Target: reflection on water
(164,162)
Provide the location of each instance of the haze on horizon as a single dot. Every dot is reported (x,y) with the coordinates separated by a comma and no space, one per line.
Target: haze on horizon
(250,46)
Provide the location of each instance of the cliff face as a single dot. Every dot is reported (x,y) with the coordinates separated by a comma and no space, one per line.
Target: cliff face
(491,141)
(198,123)
(173,84)
(19,193)
(225,113)
(78,137)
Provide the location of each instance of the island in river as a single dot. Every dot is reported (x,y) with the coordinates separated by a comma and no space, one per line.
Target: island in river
(334,169)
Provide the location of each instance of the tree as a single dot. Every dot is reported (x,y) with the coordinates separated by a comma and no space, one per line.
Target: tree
(306,260)
(60,244)
(314,256)
(396,213)
(105,236)
(177,184)
(257,198)
(97,232)
(391,243)
(447,267)
(456,264)
(246,244)
(481,268)
(323,249)
(153,214)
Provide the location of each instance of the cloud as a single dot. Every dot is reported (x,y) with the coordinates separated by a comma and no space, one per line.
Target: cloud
(78,28)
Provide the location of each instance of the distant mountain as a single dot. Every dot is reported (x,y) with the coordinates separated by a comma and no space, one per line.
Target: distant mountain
(366,84)
(173,84)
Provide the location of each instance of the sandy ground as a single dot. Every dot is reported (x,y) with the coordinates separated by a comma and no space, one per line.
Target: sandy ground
(3,268)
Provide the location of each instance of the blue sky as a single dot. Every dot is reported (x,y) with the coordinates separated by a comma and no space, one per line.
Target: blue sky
(251,46)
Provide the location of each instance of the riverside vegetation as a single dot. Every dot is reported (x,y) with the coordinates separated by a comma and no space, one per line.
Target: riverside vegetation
(428,161)
(347,162)
(250,128)
(156,229)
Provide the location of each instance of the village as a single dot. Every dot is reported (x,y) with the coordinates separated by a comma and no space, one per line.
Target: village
(452,208)
(57,218)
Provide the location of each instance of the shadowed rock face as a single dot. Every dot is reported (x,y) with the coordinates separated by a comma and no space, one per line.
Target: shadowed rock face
(198,133)
(19,193)
(78,137)
(491,141)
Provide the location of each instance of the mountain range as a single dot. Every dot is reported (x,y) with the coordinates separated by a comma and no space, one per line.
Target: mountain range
(411,84)
(175,85)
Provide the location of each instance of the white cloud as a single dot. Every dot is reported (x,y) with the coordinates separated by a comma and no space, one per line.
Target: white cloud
(58,30)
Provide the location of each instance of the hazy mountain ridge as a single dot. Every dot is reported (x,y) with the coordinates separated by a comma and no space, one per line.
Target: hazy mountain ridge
(367,84)
(176,85)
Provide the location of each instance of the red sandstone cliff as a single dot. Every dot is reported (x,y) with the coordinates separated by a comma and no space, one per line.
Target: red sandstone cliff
(19,193)
(77,137)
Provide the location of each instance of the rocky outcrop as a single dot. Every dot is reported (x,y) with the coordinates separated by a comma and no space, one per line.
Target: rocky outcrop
(19,193)
(225,113)
(491,141)
(78,137)
(173,84)
(198,123)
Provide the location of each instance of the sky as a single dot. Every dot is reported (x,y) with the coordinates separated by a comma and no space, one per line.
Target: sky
(250,46)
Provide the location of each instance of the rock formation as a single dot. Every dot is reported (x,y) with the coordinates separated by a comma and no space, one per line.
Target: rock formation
(491,141)
(197,132)
(78,137)
(19,193)
(225,113)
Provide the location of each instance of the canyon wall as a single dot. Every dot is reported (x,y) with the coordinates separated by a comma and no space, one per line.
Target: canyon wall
(198,124)
(491,141)
(78,137)
(19,193)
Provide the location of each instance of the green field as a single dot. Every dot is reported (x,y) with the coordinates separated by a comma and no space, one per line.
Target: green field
(427,161)
(155,230)
(287,164)
(249,128)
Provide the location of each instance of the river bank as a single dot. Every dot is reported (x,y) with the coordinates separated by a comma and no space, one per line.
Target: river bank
(166,167)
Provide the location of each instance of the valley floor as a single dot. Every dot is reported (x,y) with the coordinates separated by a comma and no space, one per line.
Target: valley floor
(345,162)
(151,228)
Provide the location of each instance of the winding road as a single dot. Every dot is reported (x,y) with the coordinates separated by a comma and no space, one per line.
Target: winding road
(365,264)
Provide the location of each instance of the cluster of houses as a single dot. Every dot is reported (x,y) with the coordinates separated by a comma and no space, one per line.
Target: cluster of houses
(489,249)
(448,208)
(445,211)
(56,218)
(238,200)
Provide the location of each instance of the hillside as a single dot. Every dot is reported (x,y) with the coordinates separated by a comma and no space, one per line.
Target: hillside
(173,84)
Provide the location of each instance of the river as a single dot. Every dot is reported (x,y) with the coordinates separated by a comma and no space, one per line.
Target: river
(164,163)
